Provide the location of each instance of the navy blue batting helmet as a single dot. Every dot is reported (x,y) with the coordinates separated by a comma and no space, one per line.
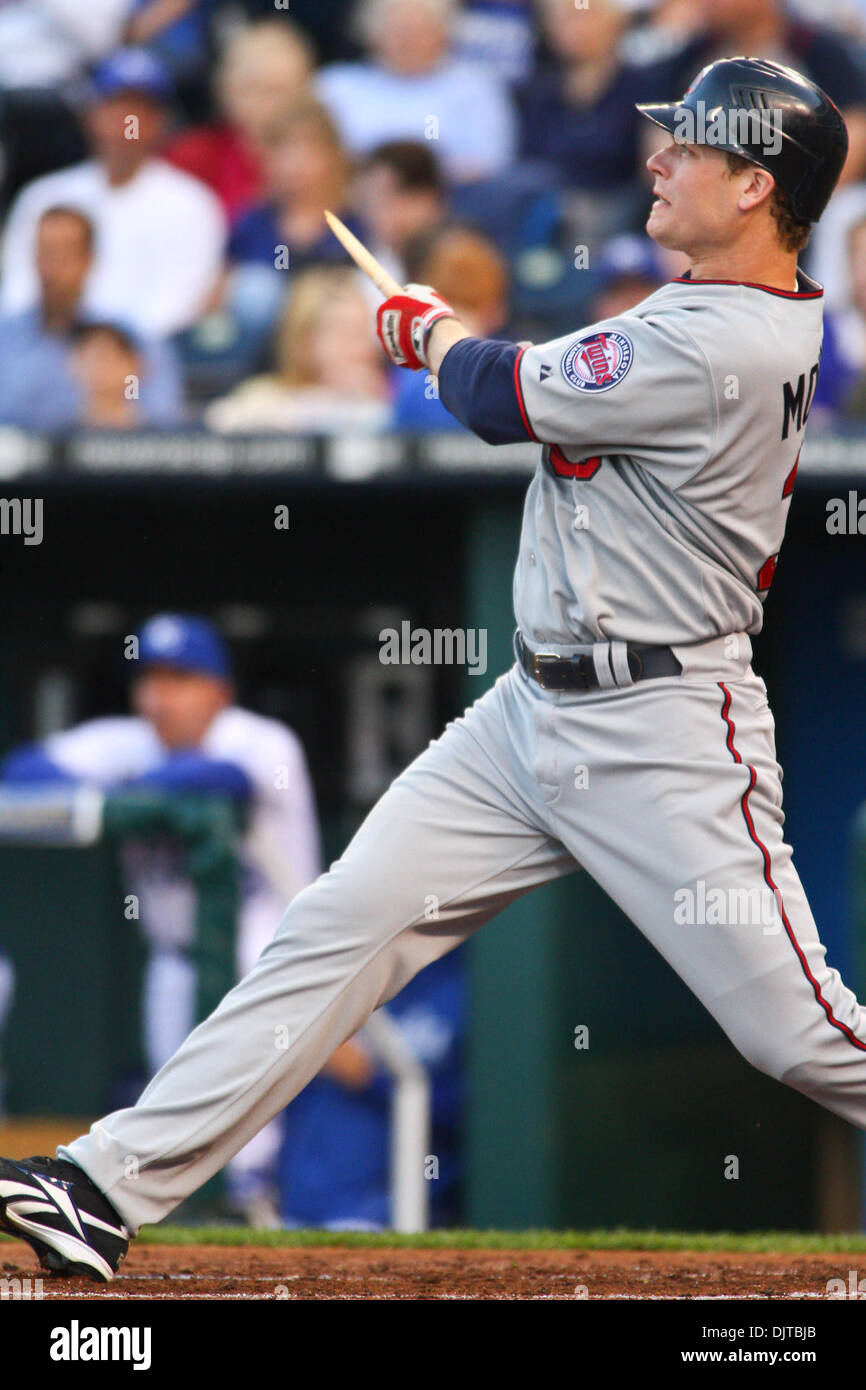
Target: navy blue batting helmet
(772,116)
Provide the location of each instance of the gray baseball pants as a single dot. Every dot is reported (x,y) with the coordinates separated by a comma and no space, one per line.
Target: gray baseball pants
(667,792)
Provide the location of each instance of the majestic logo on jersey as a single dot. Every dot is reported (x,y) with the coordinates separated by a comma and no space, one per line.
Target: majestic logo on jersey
(544,371)
(598,361)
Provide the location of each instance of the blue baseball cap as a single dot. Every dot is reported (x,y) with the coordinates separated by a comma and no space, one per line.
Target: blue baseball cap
(184,642)
(131,70)
(630,256)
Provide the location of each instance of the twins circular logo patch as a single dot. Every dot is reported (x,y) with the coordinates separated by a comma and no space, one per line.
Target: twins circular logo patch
(598,361)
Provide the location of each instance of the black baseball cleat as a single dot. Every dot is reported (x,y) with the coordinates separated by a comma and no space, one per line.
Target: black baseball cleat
(53,1205)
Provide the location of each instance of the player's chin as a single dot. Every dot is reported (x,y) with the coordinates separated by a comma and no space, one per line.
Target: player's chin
(659,226)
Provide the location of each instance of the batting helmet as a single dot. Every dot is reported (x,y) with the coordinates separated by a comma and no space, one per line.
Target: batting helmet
(772,116)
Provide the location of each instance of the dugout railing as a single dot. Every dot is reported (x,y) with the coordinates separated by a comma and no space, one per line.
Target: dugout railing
(38,820)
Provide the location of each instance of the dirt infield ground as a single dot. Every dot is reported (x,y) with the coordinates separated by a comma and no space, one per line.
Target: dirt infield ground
(249,1272)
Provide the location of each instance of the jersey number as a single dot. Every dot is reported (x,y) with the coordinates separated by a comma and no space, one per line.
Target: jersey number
(768,568)
(564,468)
(587,468)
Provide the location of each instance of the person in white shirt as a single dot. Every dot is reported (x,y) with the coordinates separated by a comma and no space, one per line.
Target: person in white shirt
(47,43)
(46,47)
(414,88)
(188,735)
(160,233)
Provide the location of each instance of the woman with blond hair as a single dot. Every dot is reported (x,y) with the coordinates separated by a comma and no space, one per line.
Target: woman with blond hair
(330,374)
(305,170)
(263,67)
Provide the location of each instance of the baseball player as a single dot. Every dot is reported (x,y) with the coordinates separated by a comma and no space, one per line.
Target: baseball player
(188,734)
(631,737)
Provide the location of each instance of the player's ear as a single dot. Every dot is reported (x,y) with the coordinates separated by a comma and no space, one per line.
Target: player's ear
(756,187)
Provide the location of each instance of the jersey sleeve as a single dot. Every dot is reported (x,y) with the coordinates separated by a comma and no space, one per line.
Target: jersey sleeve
(282,802)
(104,751)
(629,385)
(296,822)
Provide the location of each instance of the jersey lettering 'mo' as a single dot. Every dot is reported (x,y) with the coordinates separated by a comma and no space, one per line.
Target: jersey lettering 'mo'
(797,401)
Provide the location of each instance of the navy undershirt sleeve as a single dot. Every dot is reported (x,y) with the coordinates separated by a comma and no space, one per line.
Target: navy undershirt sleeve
(478,383)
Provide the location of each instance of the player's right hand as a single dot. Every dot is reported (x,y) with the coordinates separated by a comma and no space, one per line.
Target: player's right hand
(404,321)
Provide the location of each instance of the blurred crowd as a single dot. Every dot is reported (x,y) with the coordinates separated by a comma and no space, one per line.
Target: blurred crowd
(166,165)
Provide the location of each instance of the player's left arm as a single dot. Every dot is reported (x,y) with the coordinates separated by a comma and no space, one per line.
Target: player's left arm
(480,383)
(626,385)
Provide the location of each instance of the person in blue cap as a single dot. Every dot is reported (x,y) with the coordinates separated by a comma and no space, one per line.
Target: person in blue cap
(187,734)
(335,1162)
(629,268)
(159,233)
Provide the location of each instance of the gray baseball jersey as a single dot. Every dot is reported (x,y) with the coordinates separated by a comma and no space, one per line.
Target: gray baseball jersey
(672,435)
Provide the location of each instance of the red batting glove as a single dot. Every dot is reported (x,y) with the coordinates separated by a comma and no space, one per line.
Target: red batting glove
(404,321)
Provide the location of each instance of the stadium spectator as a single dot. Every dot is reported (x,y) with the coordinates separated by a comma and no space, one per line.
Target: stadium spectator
(39,390)
(412,87)
(630,268)
(335,1164)
(327,22)
(187,735)
(45,48)
(831,59)
(468,264)
(499,34)
(48,43)
(159,233)
(577,113)
(263,67)
(177,31)
(469,272)
(841,388)
(330,372)
(668,26)
(108,365)
(845,16)
(305,171)
(828,248)
(400,195)
(150,19)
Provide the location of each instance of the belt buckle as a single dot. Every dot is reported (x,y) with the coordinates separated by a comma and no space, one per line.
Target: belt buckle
(537,658)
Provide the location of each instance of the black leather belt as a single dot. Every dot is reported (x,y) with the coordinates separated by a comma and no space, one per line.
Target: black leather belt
(578,672)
